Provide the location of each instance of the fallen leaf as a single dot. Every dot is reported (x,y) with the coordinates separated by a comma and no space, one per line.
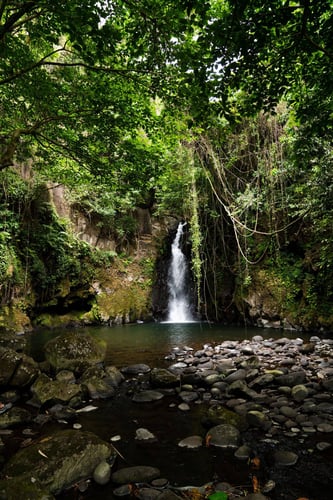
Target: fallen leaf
(43,454)
(255,484)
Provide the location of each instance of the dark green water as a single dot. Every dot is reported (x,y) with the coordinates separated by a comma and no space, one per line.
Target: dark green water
(151,342)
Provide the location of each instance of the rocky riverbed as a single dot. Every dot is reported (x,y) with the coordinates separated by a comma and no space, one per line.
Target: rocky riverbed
(263,413)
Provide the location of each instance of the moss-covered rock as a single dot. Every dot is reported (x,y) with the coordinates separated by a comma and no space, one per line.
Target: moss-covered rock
(46,390)
(74,351)
(16,369)
(57,462)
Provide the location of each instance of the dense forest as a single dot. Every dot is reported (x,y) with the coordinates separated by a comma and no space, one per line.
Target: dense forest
(120,118)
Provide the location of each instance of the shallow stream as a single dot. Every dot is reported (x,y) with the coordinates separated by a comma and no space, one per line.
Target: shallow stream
(150,343)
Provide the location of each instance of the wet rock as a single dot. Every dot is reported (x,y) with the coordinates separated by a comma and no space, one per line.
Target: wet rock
(188,396)
(161,377)
(259,419)
(14,416)
(62,412)
(136,369)
(218,414)
(283,457)
(292,378)
(145,493)
(66,376)
(114,376)
(45,390)
(147,396)
(237,375)
(191,442)
(299,392)
(16,369)
(74,351)
(123,490)
(223,436)
(323,445)
(328,384)
(99,388)
(239,388)
(184,407)
(102,473)
(143,434)
(243,452)
(60,460)
(135,474)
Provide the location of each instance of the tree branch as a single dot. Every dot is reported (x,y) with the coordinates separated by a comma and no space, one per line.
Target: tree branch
(18,14)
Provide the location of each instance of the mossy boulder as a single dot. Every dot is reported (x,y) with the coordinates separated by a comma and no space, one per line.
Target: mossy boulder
(218,414)
(58,461)
(46,390)
(74,351)
(16,369)
(14,416)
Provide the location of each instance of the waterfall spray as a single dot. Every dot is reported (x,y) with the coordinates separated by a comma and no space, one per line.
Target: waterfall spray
(179,307)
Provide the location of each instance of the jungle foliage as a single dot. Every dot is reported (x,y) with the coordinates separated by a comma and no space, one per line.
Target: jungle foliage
(217,111)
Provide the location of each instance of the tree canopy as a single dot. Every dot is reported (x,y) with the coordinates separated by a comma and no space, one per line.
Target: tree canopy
(143,102)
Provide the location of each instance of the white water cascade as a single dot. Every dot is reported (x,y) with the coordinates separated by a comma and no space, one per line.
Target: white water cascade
(179,307)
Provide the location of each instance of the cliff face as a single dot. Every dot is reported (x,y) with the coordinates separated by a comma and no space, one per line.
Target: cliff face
(69,269)
(112,282)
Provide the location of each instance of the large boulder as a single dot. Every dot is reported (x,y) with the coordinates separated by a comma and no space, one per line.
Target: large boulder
(16,369)
(74,351)
(58,462)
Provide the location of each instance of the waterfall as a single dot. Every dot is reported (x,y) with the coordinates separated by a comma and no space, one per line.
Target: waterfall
(179,307)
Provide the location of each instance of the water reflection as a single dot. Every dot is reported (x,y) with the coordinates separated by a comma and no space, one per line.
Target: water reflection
(151,342)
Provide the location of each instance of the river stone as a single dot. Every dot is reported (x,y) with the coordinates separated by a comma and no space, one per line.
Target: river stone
(60,460)
(14,416)
(99,388)
(237,375)
(258,419)
(292,378)
(299,392)
(66,376)
(143,434)
(223,436)
(243,452)
(283,457)
(146,493)
(239,388)
(161,377)
(188,396)
(102,473)
(135,369)
(218,414)
(45,389)
(135,474)
(114,376)
(74,351)
(147,396)
(262,381)
(184,407)
(287,411)
(328,384)
(191,442)
(16,369)
(325,427)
